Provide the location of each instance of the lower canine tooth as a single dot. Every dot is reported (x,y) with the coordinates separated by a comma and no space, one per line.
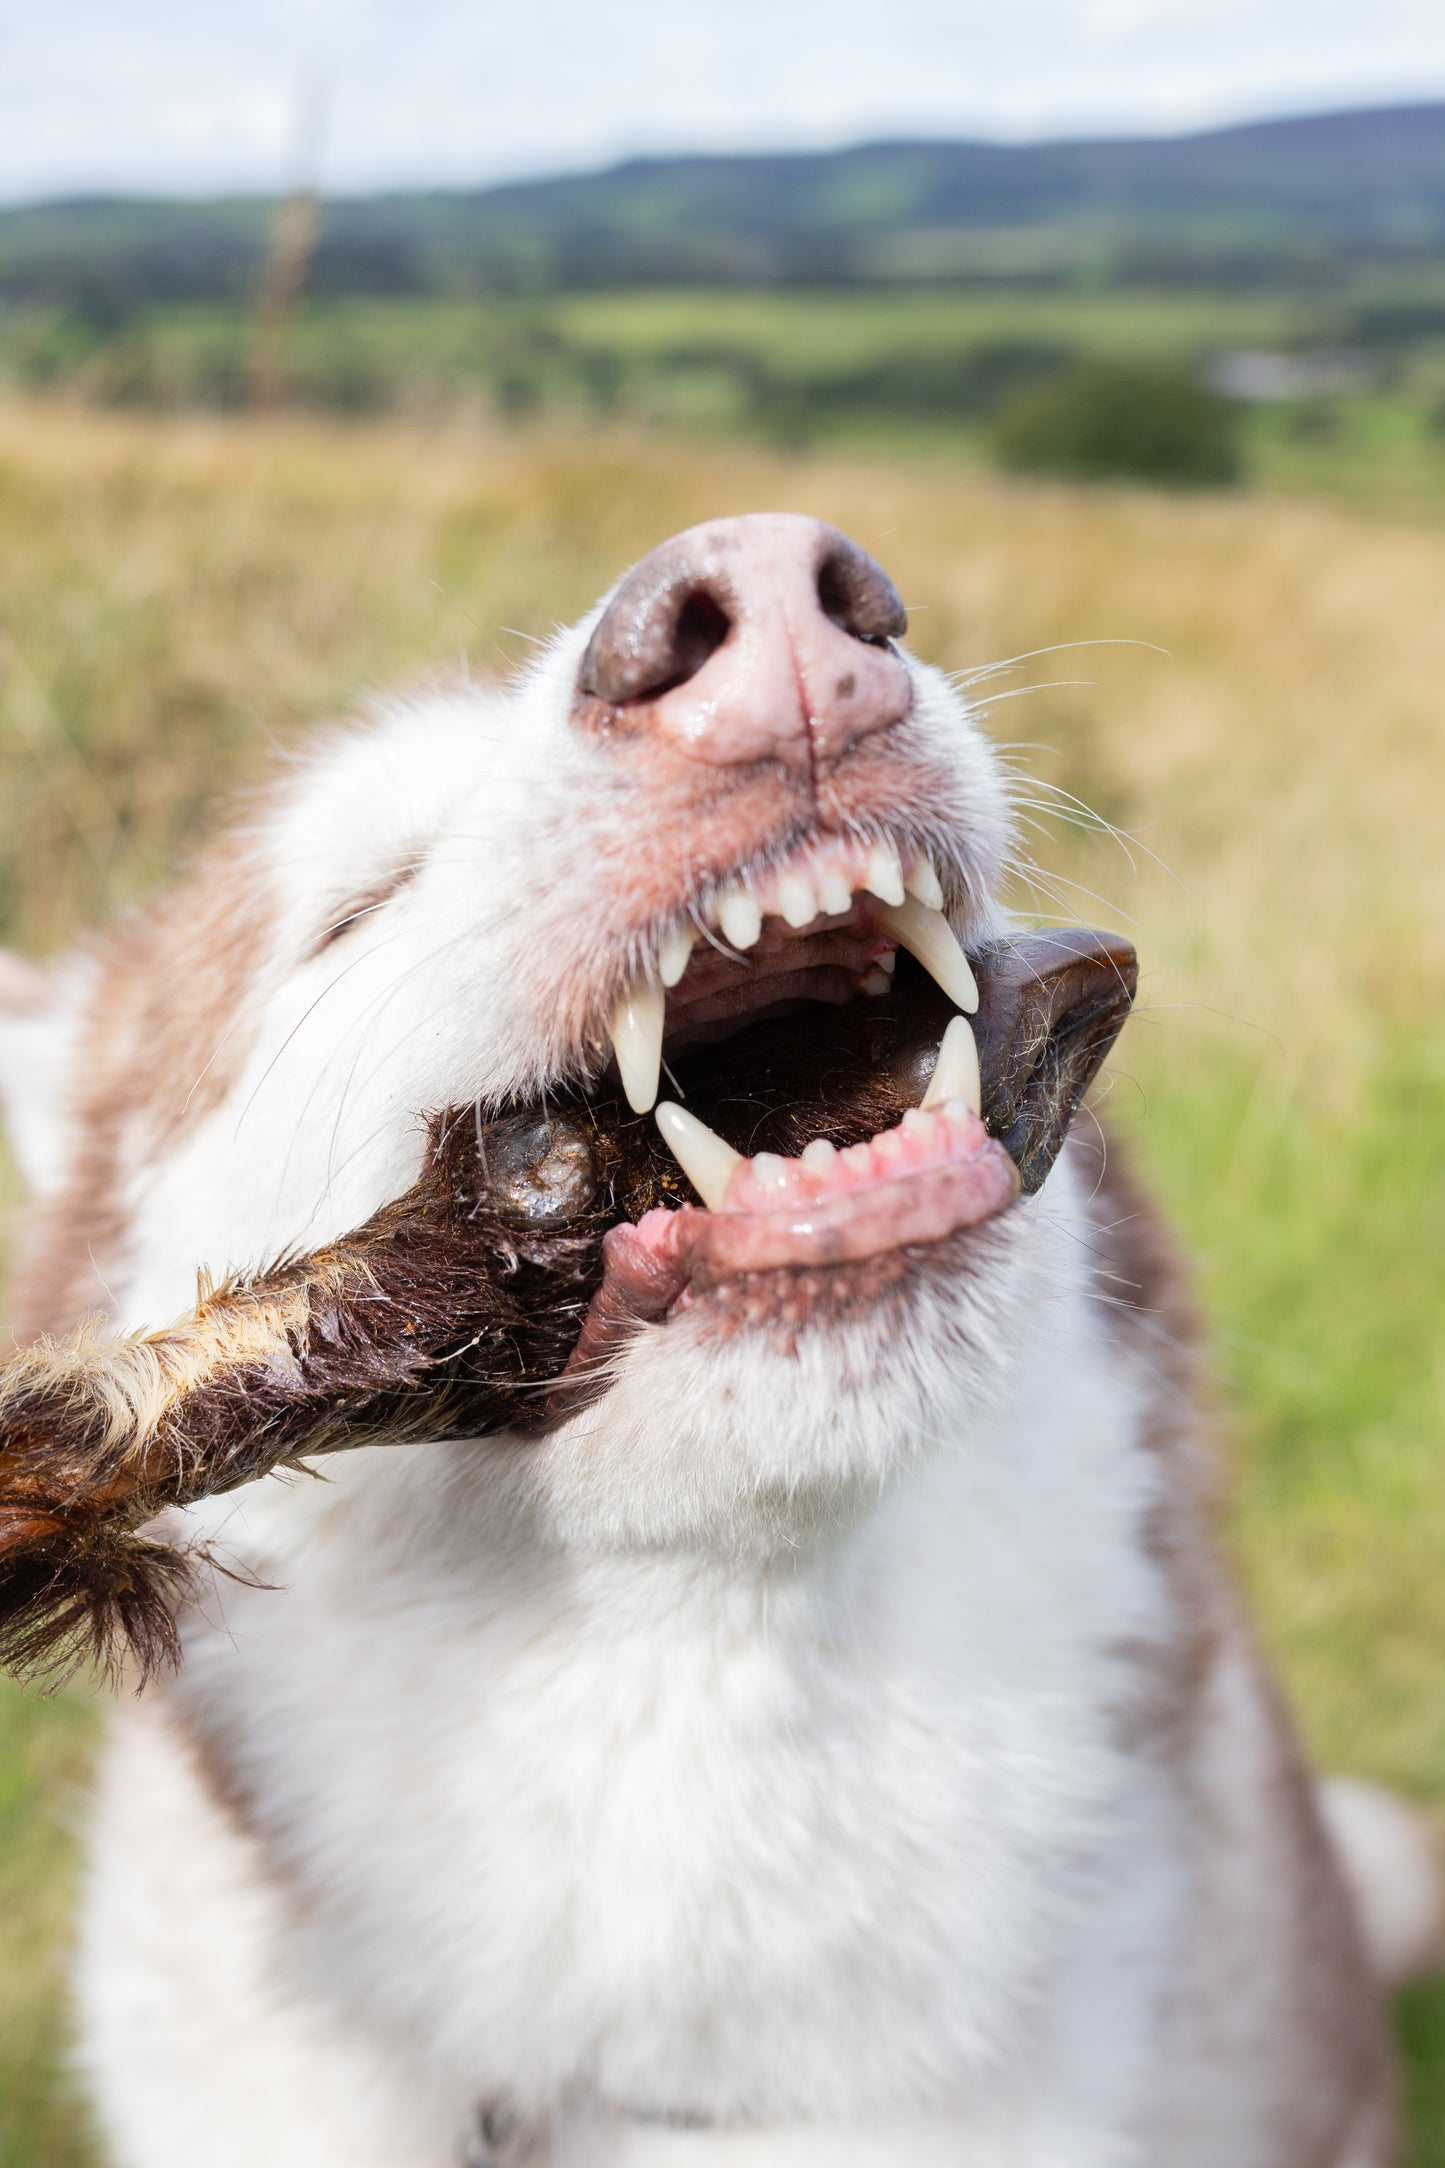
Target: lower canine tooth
(701,1153)
(672,956)
(955,1074)
(637,1042)
(928,936)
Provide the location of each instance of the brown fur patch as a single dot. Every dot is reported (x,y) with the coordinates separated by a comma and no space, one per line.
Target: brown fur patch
(1148,1311)
(1141,1274)
(161,1045)
(1325,2061)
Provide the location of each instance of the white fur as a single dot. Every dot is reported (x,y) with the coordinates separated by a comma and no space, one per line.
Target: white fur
(39,1018)
(753,1751)
(1392,1866)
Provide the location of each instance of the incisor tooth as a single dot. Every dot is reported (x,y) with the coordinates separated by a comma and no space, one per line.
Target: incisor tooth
(883,875)
(928,936)
(739,916)
(834,894)
(796,900)
(923,882)
(955,1073)
(701,1153)
(637,1041)
(672,956)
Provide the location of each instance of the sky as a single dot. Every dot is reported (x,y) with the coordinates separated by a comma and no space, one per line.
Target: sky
(200,96)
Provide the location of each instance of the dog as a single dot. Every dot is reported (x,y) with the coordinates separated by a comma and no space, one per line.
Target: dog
(729,1661)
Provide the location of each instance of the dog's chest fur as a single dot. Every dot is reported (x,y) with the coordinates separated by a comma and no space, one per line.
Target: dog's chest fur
(591,1821)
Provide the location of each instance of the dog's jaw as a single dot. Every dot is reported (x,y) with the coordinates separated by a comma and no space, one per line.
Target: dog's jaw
(436,909)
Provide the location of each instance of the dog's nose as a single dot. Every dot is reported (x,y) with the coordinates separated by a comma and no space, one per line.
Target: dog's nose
(760,638)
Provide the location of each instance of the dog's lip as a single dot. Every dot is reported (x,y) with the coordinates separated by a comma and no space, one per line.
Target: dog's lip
(960,1186)
(662,1263)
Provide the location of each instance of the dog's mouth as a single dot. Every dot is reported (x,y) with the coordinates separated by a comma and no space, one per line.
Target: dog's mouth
(841,1083)
(837,1126)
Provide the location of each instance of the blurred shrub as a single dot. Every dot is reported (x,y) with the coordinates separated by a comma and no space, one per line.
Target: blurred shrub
(1125,421)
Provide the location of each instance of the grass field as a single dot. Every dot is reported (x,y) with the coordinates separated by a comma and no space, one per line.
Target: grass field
(909,371)
(178,595)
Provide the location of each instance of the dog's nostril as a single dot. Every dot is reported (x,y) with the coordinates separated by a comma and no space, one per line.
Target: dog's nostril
(859,597)
(658,633)
(702,626)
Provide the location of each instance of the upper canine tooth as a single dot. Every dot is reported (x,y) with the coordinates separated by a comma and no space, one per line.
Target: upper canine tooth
(637,1041)
(882,874)
(672,955)
(701,1153)
(796,900)
(928,936)
(740,917)
(923,882)
(955,1073)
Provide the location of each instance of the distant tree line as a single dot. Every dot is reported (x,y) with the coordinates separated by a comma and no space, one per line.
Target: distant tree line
(1293,199)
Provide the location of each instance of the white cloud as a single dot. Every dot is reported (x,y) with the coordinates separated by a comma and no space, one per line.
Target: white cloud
(1121,18)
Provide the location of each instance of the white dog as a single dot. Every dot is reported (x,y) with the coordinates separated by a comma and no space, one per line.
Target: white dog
(813,1726)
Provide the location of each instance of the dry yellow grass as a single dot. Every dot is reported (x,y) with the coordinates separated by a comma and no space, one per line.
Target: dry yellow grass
(178,593)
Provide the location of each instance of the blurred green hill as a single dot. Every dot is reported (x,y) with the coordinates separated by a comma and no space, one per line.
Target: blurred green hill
(1298,198)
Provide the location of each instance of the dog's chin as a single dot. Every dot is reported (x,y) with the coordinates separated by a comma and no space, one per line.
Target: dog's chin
(791,1400)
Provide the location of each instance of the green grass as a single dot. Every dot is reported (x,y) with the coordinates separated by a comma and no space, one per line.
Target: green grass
(44,1753)
(913,372)
(838,330)
(177,594)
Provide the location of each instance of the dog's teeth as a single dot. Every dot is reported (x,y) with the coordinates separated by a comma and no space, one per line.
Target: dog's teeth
(928,936)
(883,875)
(955,1074)
(672,956)
(818,1156)
(770,1170)
(875,982)
(834,895)
(740,917)
(637,1041)
(797,900)
(923,882)
(702,1155)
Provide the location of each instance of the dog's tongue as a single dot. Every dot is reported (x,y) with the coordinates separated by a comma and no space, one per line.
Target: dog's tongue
(937,1172)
